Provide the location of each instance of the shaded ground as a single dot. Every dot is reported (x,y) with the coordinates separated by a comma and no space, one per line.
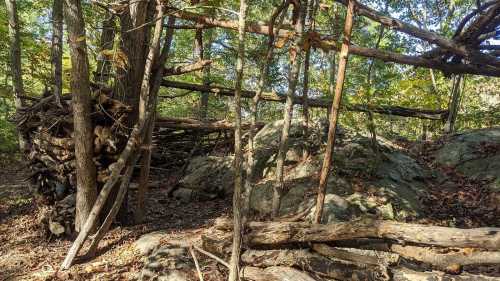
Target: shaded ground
(27,254)
(452,199)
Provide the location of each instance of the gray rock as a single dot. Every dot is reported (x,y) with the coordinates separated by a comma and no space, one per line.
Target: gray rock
(167,263)
(149,242)
(476,154)
(210,175)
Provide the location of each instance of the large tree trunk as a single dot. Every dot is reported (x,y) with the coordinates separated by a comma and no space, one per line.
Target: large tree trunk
(295,58)
(86,191)
(234,265)
(136,138)
(57,49)
(15,61)
(327,161)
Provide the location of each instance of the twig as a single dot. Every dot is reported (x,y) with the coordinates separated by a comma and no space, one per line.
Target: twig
(221,261)
(200,275)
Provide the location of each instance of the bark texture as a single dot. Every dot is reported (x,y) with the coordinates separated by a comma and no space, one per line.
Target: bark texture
(86,192)
(234,265)
(57,49)
(339,86)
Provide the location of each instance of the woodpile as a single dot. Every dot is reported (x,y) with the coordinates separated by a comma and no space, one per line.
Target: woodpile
(49,128)
(366,249)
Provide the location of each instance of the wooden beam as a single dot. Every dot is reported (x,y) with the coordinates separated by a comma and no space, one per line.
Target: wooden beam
(318,103)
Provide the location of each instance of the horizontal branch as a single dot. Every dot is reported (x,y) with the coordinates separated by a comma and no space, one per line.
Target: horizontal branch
(194,124)
(319,103)
(423,34)
(319,41)
(186,68)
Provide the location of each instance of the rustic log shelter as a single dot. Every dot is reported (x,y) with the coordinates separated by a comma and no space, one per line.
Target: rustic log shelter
(283,242)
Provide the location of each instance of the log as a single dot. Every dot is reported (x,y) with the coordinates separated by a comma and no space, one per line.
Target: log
(404,274)
(319,103)
(194,124)
(274,273)
(314,263)
(356,255)
(445,261)
(271,233)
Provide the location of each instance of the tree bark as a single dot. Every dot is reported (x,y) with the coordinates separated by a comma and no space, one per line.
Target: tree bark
(327,161)
(293,75)
(274,273)
(234,265)
(15,62)
(444,261)
(107,40)
(279,15)
(449,126)
(274,233)
(135,140)
(57,49)
(315,263)
(86,191)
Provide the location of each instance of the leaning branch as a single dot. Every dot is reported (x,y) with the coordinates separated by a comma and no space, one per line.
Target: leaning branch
(318,103)
(186,68)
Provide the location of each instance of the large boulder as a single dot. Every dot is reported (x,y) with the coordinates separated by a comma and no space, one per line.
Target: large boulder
(209,176)
(360,183)
(475,154)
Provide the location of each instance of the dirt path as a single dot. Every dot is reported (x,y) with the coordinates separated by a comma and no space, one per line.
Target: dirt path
(28,254)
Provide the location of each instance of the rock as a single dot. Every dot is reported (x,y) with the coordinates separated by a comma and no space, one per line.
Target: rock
(168,263)
(268,138)
(335,209)
(210,175)
(148,242)
(475,154)
(183,194)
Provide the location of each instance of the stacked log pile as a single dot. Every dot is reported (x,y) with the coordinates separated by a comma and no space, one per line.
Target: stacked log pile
(49,129)
(50,153)
(365,249)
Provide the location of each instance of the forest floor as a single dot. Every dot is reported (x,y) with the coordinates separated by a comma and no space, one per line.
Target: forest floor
(28,254)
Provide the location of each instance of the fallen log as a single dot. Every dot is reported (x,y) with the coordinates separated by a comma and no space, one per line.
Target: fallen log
(404,274)
(370,257)
(315,263)
(270,233)
(445,261)
(319,103)
(274,273)
(194,124)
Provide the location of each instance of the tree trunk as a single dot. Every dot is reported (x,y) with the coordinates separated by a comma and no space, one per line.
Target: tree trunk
(234,266)
(198,51)
(103,71)
(15,62)
(327,162)
(279,15)
(135,140)
(293,76)
(57,49)
(449,126)
(86,191)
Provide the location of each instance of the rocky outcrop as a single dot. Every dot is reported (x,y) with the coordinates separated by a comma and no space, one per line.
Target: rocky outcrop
(475,154)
